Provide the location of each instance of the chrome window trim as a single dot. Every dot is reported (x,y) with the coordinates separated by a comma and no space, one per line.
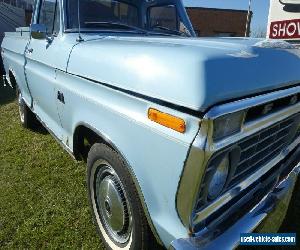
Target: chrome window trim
(62,16)
(204,147)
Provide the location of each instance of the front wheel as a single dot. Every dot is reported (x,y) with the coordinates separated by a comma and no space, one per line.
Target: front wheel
(116,207)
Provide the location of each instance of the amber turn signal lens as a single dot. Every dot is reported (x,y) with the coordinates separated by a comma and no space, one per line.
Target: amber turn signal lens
(167,120)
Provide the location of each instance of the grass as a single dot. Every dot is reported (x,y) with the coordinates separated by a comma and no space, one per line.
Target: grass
(43,201)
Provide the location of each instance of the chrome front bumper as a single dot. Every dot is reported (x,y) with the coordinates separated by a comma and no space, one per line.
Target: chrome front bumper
(257,219)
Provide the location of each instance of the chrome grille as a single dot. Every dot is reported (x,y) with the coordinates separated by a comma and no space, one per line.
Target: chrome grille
(297,133)
(271,107)
(260,148)
(256,151)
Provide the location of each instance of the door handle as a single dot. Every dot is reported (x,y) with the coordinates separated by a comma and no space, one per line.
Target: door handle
(60,97)
(29,51)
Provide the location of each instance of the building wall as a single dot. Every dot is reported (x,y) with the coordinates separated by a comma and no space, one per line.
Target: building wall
(218,22)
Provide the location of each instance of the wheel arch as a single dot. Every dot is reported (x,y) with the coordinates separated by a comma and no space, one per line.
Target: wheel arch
(102,138)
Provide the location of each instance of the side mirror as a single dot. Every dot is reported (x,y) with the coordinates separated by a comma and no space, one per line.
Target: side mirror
(38,31)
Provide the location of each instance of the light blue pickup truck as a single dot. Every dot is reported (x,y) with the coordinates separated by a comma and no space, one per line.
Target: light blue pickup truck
(188,141)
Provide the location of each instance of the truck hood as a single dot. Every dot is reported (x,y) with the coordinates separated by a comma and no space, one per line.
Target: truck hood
(194,73)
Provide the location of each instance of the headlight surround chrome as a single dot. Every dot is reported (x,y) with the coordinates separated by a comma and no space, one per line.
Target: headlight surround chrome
(227,125)
(219,173)
(218,178)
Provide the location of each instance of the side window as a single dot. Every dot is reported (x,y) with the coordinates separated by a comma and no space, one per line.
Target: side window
(49,9)
(28,15)
(163,16)
(97,11)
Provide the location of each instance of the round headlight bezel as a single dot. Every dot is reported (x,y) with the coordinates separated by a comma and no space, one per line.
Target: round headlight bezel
(219,178)
(233,155)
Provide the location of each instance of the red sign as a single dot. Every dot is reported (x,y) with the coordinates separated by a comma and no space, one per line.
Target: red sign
(285,29)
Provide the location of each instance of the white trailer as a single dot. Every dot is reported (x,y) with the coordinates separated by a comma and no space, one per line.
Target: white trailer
(284,20)
(11,17)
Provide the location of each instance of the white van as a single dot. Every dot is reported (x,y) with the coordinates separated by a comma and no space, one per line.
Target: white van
(284,20)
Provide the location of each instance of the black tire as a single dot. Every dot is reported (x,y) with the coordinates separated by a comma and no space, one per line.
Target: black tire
(27,118)
(99,159)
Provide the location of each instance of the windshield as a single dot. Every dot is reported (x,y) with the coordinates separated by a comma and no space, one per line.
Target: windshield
(119,16)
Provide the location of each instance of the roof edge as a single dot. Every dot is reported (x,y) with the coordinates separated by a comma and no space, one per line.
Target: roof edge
(217,9)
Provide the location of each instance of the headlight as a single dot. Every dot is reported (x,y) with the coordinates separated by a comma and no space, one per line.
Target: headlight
(218,179)
(228,125)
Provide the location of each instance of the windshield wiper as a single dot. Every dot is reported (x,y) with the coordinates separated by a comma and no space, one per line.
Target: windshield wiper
(117,25)
(176,32)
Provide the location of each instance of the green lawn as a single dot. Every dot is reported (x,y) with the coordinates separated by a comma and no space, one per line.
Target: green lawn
(43,201)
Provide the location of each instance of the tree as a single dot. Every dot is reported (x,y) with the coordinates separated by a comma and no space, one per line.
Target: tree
(259,32)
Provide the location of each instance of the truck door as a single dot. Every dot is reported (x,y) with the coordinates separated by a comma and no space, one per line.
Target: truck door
(44,57)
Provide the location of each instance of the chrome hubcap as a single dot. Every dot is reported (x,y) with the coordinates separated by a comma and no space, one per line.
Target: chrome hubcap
(21,108)
(111,203)
(113,207)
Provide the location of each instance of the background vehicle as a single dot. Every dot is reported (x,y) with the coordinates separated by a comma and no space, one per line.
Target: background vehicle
(189,140)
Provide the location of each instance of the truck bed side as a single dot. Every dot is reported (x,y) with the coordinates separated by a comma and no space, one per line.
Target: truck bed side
(13,53)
